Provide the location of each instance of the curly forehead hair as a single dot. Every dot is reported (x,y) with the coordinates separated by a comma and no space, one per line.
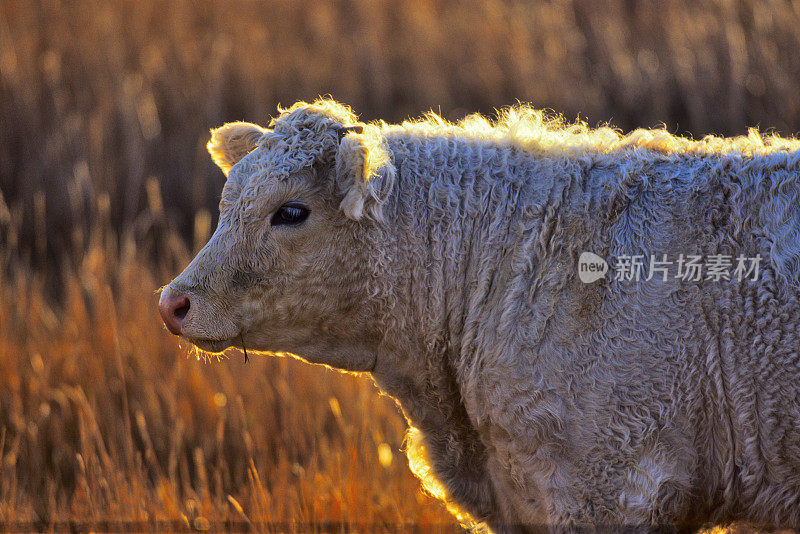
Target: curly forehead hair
(322,114)
(328,132)
(307,132)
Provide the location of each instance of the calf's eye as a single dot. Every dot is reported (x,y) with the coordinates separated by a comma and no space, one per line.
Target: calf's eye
(290,213)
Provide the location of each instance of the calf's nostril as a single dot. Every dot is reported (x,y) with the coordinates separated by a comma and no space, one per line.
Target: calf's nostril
(174,308)
(182,309)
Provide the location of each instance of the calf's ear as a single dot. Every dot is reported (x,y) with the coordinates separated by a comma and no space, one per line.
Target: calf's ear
(365,173)
(232,142)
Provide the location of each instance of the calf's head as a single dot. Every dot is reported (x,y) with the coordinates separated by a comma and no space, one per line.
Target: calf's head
(290,267)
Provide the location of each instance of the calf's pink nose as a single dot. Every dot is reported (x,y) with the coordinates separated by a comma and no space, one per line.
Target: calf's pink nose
(173,307)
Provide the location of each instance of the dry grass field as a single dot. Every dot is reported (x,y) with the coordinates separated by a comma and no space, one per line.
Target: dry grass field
(106,190)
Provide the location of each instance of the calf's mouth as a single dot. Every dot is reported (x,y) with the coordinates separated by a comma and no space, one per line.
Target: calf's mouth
(211,345)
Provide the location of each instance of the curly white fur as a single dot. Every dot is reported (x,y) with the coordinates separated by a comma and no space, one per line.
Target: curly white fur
(442,258)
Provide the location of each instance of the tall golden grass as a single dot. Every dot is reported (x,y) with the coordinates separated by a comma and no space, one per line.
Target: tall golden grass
(106,190)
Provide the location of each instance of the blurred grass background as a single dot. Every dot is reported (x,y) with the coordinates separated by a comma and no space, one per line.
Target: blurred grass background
(106,190)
